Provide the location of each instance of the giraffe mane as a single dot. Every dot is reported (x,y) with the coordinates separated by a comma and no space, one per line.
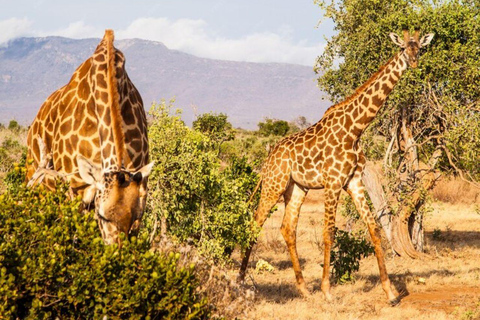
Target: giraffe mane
(359,90)
(114,97)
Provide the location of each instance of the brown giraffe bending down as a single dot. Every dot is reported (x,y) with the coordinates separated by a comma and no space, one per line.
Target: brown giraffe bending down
(93,131)
(327,155)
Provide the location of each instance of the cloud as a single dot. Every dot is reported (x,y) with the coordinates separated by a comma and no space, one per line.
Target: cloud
(191,36)
(75,30)
(14,28)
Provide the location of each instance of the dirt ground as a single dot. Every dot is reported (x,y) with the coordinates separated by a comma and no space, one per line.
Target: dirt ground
(445,284)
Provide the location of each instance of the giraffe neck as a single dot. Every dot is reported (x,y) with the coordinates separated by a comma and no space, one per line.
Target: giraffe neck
(373,94)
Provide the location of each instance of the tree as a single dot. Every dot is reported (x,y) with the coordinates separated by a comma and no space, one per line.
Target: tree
(13,125)
(273,127)
(431,120)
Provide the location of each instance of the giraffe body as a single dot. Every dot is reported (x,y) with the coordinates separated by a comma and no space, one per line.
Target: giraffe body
(94,130)
(327,156)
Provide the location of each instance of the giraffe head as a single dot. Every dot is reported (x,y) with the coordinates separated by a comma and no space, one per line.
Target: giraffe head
(118,197)
(411,45)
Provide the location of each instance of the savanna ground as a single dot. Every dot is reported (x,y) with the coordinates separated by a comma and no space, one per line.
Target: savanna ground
(445,284)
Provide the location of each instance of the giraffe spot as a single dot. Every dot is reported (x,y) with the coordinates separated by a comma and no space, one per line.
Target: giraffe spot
(376,101)
(101,81)
(102,67)
(104,97)
(85,149)
(386,89)
(66,127)
(74,141)
(107,120)
(310,175)
(67,163)
(338,166)
(308,164)
(106,150)
(377,86)
(104,133)
(99,58)
(348,121)
(355,113)
(83,69)
(83,90)
(133,133)
(119,72)
(396,74)
(100,109)
(328,162)
(128,117)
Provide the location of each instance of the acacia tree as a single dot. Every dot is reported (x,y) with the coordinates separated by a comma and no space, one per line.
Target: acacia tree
(431,121)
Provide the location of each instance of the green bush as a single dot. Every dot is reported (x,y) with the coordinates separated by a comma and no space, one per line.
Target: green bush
(14,126)
(274,127)
(347,252)
(202,199)
(215,126)
(53,264)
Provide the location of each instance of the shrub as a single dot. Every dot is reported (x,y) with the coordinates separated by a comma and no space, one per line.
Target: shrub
(53,264)
(199,200)
(13,125)
(273,127)
(346,254)
(216,126)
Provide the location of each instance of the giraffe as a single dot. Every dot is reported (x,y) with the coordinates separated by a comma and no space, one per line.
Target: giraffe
(327,155)
(93,132)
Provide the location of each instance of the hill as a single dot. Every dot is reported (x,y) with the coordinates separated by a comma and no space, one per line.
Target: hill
(32,68)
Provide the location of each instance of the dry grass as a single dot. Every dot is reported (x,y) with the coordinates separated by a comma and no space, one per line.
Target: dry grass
(455,190)
(450,269)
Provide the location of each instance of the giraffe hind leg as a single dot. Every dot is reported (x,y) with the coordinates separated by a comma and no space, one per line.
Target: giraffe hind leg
(294,197)
(267,201)
(332,193)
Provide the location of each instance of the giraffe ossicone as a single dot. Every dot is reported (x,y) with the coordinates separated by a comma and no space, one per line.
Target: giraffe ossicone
(327,155)
(93,132)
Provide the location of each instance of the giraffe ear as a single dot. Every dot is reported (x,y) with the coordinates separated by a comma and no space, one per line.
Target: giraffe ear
(89,172)
(397,40)
(143,172)
(426,39)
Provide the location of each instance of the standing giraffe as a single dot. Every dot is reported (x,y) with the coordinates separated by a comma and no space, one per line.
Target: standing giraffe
(328,155)
(93,131)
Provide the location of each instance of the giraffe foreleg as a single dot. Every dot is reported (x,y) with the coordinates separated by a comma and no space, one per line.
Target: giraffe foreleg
(332,193)
(294,197)
(356,190)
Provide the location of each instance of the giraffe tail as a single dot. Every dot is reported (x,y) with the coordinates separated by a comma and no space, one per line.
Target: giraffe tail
(255,190)
(114,96)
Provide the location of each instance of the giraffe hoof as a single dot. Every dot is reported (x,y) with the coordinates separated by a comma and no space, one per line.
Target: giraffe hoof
(394,302)
(328,296)
(303,291)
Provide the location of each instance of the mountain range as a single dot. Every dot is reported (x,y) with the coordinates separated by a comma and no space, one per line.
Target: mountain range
(32,68)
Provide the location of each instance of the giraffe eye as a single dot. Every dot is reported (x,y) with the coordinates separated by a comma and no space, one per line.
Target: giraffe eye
(137,177)
(121,178)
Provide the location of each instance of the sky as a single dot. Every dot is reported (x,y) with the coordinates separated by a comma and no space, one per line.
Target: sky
(286,31)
